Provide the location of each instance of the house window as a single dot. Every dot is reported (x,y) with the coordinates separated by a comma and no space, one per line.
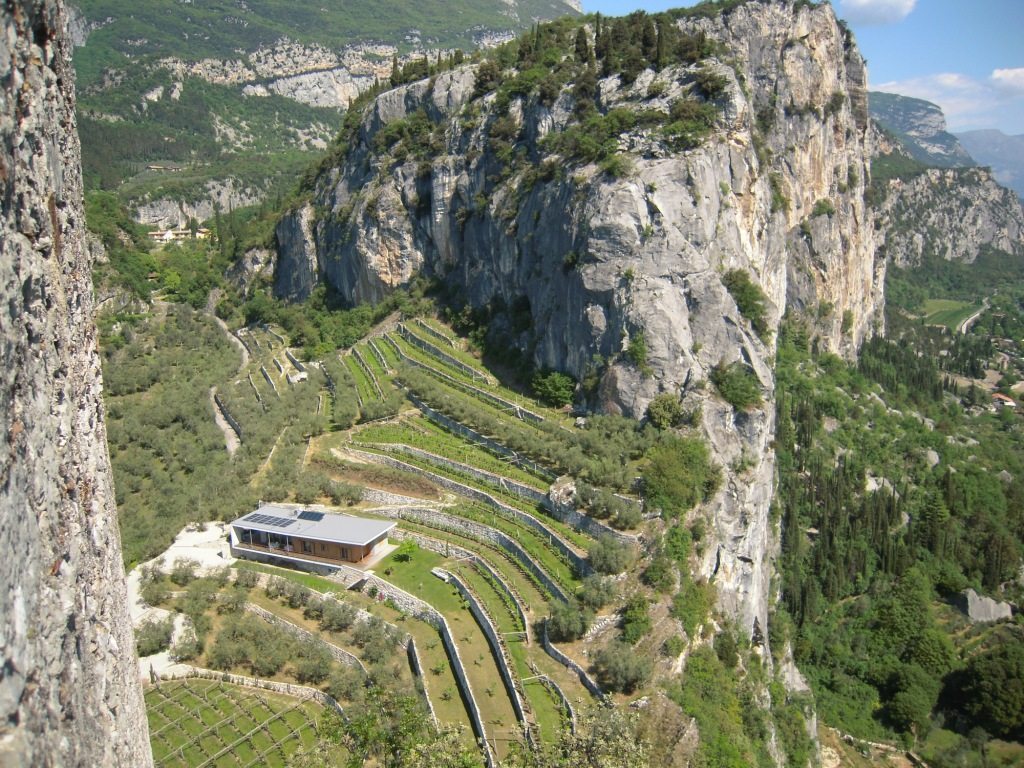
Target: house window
(323,547)
(344,553)
(307,547)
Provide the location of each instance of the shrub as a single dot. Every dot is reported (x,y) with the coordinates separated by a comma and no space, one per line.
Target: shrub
(154,636)
(737,385)
(823,207)
(726,649)
(665,410)
(596,591)
(659,574)
(679,475)
(568,621)
(554,388)
(619,668)
(674,646)
(750,299)
(608,556)
(187,647)
(692,604)
(337,617)
(636,620)
(246,579)
(184,571)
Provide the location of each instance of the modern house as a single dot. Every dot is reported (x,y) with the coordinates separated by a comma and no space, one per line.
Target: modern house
(307,536)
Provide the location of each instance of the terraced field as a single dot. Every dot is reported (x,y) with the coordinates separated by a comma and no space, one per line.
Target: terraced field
(492,551)
(211,723)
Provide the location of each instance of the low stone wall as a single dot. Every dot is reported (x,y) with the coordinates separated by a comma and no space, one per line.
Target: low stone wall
(259,397)
(574,559)
(498,650)
(232,422)
(288,689)
(338,654)
(436,519)
(294,360)
(369,373)
(434,332)
(416,665)
(372,343)
(561,658)
(422,610)
(473,436)
(270,381)
(586,524)
(440,354)
(453,550)
(567,707)
(276,335)
(280,367)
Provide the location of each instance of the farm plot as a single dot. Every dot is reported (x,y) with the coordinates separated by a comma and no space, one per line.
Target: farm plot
(198,723)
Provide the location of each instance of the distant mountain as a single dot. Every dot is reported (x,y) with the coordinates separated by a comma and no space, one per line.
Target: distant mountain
(921,127)
(1004,154)
(188,105)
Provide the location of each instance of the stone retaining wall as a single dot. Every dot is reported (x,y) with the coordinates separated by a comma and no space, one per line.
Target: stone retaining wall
(379,355)
(440,354)
(436,519)
(294,360)
(473,436)
(575,560)
(424,611)
(369,373)
(453,550)
(416,665)
(270,381)
(232,422)
(289,689)
(498,650)
(561,658)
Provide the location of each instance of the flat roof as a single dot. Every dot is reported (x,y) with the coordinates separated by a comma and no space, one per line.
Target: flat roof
(313,524)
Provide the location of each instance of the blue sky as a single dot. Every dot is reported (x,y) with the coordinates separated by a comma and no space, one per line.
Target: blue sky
(967,56)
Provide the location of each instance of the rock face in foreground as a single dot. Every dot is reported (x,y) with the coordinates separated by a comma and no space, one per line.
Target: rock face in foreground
(596,261)
(69,688)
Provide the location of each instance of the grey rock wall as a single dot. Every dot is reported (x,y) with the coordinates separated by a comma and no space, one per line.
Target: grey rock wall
(69,688)
(953,214)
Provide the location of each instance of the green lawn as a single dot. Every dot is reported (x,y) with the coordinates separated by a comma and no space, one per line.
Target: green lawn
(948,312)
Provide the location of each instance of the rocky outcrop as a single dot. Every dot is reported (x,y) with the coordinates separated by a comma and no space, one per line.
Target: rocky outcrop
(920,127)
(169,212)
(599,262)
(954,214)
(980,609)
(335,88)
(69,690)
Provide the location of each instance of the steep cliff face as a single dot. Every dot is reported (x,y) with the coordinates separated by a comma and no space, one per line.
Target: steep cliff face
(69,689)
(920,126)
(602,260)
(953,214)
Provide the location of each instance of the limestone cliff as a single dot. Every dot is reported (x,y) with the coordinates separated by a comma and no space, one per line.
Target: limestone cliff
(69,689)
(604,258)
(953,214)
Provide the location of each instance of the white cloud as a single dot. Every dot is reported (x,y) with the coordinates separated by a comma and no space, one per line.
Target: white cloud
(875,12)
(1009,79)
(969,103)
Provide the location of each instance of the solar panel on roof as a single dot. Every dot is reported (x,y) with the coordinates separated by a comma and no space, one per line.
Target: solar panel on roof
(261,519)
(314,517)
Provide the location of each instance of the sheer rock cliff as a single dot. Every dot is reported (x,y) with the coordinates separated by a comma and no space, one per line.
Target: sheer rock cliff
(69,687)
(599,261)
